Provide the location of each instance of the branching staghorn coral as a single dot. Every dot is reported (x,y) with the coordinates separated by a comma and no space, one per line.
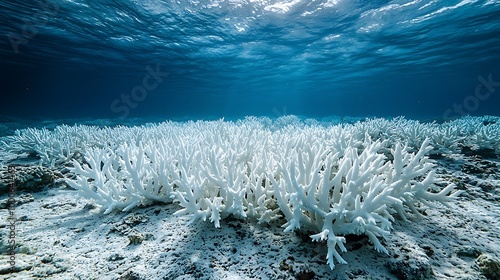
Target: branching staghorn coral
(333,180)
(332,186)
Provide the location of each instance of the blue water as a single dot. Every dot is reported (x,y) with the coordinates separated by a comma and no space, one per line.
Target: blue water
(211,59)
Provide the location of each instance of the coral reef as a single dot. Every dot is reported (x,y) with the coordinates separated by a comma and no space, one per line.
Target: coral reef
(333,180)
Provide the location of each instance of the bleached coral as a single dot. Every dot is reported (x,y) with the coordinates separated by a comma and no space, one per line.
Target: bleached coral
(322,179)
(356,193)
(334,180)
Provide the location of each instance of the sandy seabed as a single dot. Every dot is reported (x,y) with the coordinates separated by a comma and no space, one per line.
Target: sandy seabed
(60,237)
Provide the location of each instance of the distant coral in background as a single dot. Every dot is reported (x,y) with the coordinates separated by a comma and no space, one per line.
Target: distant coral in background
(334,180)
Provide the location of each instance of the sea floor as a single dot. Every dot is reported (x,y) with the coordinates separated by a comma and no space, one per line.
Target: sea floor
(61,237)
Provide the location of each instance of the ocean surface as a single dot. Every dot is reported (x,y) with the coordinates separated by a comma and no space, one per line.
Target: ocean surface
(212,59)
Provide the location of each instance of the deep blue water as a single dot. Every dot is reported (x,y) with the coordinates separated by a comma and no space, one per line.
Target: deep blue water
(420,59)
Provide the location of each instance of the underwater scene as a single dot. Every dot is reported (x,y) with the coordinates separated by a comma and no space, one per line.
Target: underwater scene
(250,139)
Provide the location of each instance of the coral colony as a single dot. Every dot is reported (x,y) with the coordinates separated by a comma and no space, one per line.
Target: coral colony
(331,179)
